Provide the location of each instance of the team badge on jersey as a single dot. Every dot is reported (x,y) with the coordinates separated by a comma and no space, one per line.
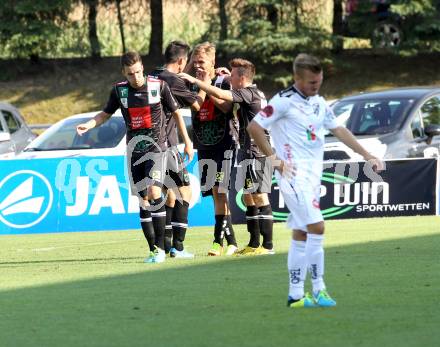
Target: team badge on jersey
(267,111)
(316,109)
(153,86)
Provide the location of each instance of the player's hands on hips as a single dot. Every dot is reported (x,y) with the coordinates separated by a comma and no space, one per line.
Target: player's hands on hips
(375,163)
(187,77)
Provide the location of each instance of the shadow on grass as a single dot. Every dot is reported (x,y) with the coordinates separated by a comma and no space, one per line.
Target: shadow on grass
(63,261)
(386,294)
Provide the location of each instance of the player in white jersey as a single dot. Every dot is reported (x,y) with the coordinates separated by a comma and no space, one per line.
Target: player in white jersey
(298,119)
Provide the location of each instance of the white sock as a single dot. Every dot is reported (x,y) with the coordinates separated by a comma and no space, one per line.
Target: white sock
(297,266)
(315,260)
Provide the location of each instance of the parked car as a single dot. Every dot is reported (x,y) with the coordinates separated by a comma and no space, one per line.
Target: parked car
(395,123)
(62,140)
(15,134)
(373,19)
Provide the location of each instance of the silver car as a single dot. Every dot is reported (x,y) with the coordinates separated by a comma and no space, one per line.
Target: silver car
(15,134)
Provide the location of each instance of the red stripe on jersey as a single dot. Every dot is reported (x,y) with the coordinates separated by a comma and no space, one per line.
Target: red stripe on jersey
(140,117)
(206,112)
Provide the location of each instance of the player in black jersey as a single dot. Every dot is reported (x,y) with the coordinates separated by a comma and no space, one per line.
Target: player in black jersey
(215,139)
(141,100)
(248,100)
(176,56)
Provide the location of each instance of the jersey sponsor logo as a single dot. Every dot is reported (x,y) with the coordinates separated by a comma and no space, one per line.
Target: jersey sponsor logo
(311,135)
(123,92)
(140,117)
(28,201)
(267,111)
(206,113)
(288,156)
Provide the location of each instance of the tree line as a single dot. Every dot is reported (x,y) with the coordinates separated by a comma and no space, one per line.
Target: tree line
(267,29)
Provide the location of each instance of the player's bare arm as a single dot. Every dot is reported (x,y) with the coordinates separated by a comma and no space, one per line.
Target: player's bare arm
(182,131)
(208,88)
(258,134)
(99,119)
(347,138)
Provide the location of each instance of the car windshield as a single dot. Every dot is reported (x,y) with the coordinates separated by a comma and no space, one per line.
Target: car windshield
(372,116)
(63,136)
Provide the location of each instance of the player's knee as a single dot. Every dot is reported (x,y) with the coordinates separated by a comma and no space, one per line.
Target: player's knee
(248,200)
(317,228)
(299,235)
(260,199)
(185,192)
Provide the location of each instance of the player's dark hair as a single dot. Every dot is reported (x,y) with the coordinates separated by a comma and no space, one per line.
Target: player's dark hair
(306,62)
(130,58)
(175,50)
(244,68)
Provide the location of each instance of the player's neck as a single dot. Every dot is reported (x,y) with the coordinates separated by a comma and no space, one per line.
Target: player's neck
(300,91)
(174,68)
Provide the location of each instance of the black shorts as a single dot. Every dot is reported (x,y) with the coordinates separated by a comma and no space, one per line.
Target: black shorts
(146,169)
(176,174)
(215,170)
(254,174)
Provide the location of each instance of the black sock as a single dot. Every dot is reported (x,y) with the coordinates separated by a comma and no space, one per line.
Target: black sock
(180,223)
(168,229)
(253,226)
(229,231)
(147,227)
(266,226)
(158,215)
(219,232)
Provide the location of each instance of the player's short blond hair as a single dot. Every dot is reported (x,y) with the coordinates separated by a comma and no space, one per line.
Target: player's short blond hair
(244,68)
(207,48)
(307,62)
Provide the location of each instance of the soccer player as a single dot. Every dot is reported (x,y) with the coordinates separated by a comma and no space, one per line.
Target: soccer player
(215,136)
(176,56)
(141,100)
(299,116)
(248,100)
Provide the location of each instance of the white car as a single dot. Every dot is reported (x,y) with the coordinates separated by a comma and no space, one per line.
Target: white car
(62,140)
(15,134)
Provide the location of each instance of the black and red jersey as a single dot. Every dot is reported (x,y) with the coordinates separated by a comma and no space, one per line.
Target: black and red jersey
(247,103)
(183,95)
(143,111)
(212,128)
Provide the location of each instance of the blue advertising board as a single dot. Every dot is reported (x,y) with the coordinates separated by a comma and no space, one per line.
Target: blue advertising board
(77,194)
(93,194)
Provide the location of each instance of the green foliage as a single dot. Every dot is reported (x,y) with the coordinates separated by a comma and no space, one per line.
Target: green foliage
(272,32)
(420,22)
(31,27)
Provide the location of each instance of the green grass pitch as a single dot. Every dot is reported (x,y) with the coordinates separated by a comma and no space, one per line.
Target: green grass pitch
(93,289)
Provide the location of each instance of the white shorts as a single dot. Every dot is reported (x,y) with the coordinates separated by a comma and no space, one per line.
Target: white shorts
(303,205)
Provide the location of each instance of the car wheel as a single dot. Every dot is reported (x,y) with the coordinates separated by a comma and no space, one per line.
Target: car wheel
(386,35)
